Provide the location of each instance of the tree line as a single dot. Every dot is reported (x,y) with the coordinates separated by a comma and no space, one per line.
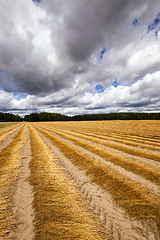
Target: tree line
(44,116)
(117,116)
(9,117)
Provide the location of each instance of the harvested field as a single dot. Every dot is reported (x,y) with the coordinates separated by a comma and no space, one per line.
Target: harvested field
(5,124)
(80,180)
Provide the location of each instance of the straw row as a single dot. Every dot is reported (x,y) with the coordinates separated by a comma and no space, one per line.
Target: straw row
(130,195)
(145,153)
(60,211)
(10,162)
(145,170)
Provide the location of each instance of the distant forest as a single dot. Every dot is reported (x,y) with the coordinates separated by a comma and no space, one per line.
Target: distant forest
(9,117)
(37,117)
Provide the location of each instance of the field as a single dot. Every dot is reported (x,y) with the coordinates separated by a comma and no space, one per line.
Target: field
(80,180)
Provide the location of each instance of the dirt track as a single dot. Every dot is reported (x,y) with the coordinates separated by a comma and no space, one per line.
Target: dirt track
(23,198)
(111,219)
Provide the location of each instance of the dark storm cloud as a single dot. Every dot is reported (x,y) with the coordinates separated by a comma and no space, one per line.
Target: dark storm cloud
(139,104)
(38,82)
(92,22)
(52,49)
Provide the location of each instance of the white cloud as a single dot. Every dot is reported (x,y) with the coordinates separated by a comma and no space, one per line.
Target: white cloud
(142,93)
(51,52)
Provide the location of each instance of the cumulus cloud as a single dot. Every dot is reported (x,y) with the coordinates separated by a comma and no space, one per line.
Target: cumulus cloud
(142,93)
(57,52)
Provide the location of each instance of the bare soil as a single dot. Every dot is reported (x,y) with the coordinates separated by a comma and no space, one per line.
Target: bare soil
(22,201)
(4,143)
(153,188)
(114,219)
(150,162)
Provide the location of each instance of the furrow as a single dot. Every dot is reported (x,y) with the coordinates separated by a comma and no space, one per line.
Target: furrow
(152,146)
(131,196)
(136,130)
(8,128)
(23,197)
(95,140)
(10,162)
(60,212)
(101,202)
(149,172)
(149,162)
(148,141)
(143,140)
(122,147)
(131,141)
(7,137)
(152,187)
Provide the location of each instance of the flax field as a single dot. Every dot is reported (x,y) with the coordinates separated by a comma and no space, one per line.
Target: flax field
(80,180)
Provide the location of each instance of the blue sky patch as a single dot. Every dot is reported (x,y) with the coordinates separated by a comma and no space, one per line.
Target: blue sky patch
(157,32)
(135,21)
(155,22)
(20,96)
(102,52)
(2,72)
(115,83)
(99,88)
(36,1)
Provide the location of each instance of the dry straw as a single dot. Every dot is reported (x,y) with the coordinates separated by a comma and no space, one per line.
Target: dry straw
(122,147)
(130,195)
(145,170)
(7,132)
(10,162)
(60,211)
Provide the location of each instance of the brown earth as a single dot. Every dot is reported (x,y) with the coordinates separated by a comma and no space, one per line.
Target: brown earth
(113,218)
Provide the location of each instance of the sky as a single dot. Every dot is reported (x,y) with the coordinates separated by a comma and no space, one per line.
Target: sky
(78,57)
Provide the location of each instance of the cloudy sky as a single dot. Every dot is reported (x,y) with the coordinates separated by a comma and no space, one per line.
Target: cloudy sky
(79,56)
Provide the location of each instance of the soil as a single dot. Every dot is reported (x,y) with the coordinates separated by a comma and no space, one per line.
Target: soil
(22,201)
(114,218)
(150,162)
(8,139)
(101,203)
(153,188)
